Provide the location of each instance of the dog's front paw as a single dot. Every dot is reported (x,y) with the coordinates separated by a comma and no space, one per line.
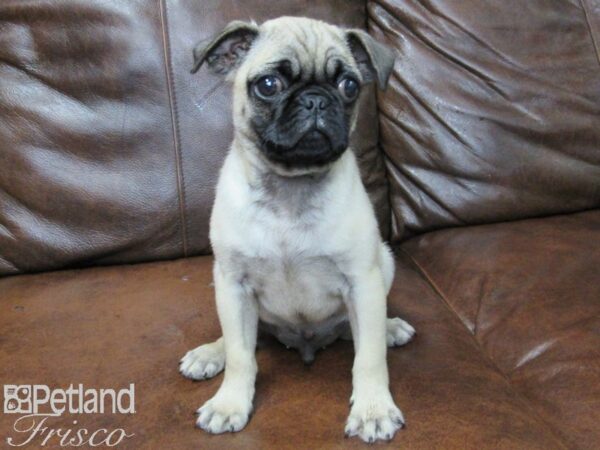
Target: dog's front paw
(203,362)
(225,412)
(398,332)
(374,417)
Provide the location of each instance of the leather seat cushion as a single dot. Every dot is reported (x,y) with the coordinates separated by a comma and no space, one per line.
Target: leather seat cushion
(529,293)
(111,326)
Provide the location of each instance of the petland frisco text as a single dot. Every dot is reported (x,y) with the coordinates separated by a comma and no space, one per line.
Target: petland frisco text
(38,405)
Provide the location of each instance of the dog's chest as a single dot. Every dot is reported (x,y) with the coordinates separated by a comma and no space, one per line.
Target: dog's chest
(296,290)
(281,244)
(285,263)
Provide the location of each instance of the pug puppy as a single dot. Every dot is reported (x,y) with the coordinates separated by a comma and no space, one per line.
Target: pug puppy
(296,243)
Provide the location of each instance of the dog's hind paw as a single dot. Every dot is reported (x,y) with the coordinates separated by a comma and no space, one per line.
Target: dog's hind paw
(399,332)
(203,362)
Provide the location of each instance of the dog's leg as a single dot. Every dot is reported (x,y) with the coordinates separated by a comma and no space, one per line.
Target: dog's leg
(373,415)
(230,407)
(203,362)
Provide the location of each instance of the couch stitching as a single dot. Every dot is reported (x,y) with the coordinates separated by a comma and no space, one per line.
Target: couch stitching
(482,352)
(174,123)
(586,15)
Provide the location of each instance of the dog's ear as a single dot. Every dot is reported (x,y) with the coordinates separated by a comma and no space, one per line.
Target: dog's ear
(227,49)
(375,60)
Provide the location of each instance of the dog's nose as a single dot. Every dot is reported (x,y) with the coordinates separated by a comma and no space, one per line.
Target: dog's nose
(314,101)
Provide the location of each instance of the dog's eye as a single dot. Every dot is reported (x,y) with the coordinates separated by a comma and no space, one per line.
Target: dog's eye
(268,86)
(348,87)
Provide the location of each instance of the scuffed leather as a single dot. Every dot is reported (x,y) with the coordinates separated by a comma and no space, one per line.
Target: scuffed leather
(529,292)
(111,326)
(87,171)
(492,112)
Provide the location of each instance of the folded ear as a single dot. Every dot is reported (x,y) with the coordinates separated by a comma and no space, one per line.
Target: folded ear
(375,60)
(227,49)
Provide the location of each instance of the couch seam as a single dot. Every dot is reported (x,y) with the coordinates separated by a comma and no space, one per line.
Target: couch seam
(440,294)
(483,353)
(174,124)
(586,15)
(383,154)
(388,184)
(476,321)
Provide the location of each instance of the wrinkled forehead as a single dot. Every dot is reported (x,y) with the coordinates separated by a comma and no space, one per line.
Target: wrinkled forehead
(312,48)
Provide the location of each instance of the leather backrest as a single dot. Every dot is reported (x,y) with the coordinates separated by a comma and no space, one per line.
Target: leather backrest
(109,148)
(493,110)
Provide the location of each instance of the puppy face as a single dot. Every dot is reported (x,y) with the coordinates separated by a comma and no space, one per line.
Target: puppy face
(295,86)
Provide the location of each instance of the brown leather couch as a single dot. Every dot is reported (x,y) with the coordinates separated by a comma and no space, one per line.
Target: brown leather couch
(485,173)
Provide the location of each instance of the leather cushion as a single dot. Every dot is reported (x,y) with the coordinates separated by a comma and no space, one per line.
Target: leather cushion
(493,110)
(529,292)
(87,171)
(108,327)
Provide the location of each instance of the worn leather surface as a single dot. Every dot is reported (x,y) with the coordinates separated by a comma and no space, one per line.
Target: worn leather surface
(109,147)
(493,111)
(529,293)
(111,326)
(87,170)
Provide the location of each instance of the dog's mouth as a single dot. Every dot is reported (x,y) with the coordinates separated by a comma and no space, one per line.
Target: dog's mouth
(314,140)
(313,148)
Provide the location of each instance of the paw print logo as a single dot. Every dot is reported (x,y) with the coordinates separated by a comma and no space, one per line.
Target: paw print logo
(17,399)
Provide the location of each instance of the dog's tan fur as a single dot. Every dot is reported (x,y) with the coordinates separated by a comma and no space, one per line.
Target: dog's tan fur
(298,249)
